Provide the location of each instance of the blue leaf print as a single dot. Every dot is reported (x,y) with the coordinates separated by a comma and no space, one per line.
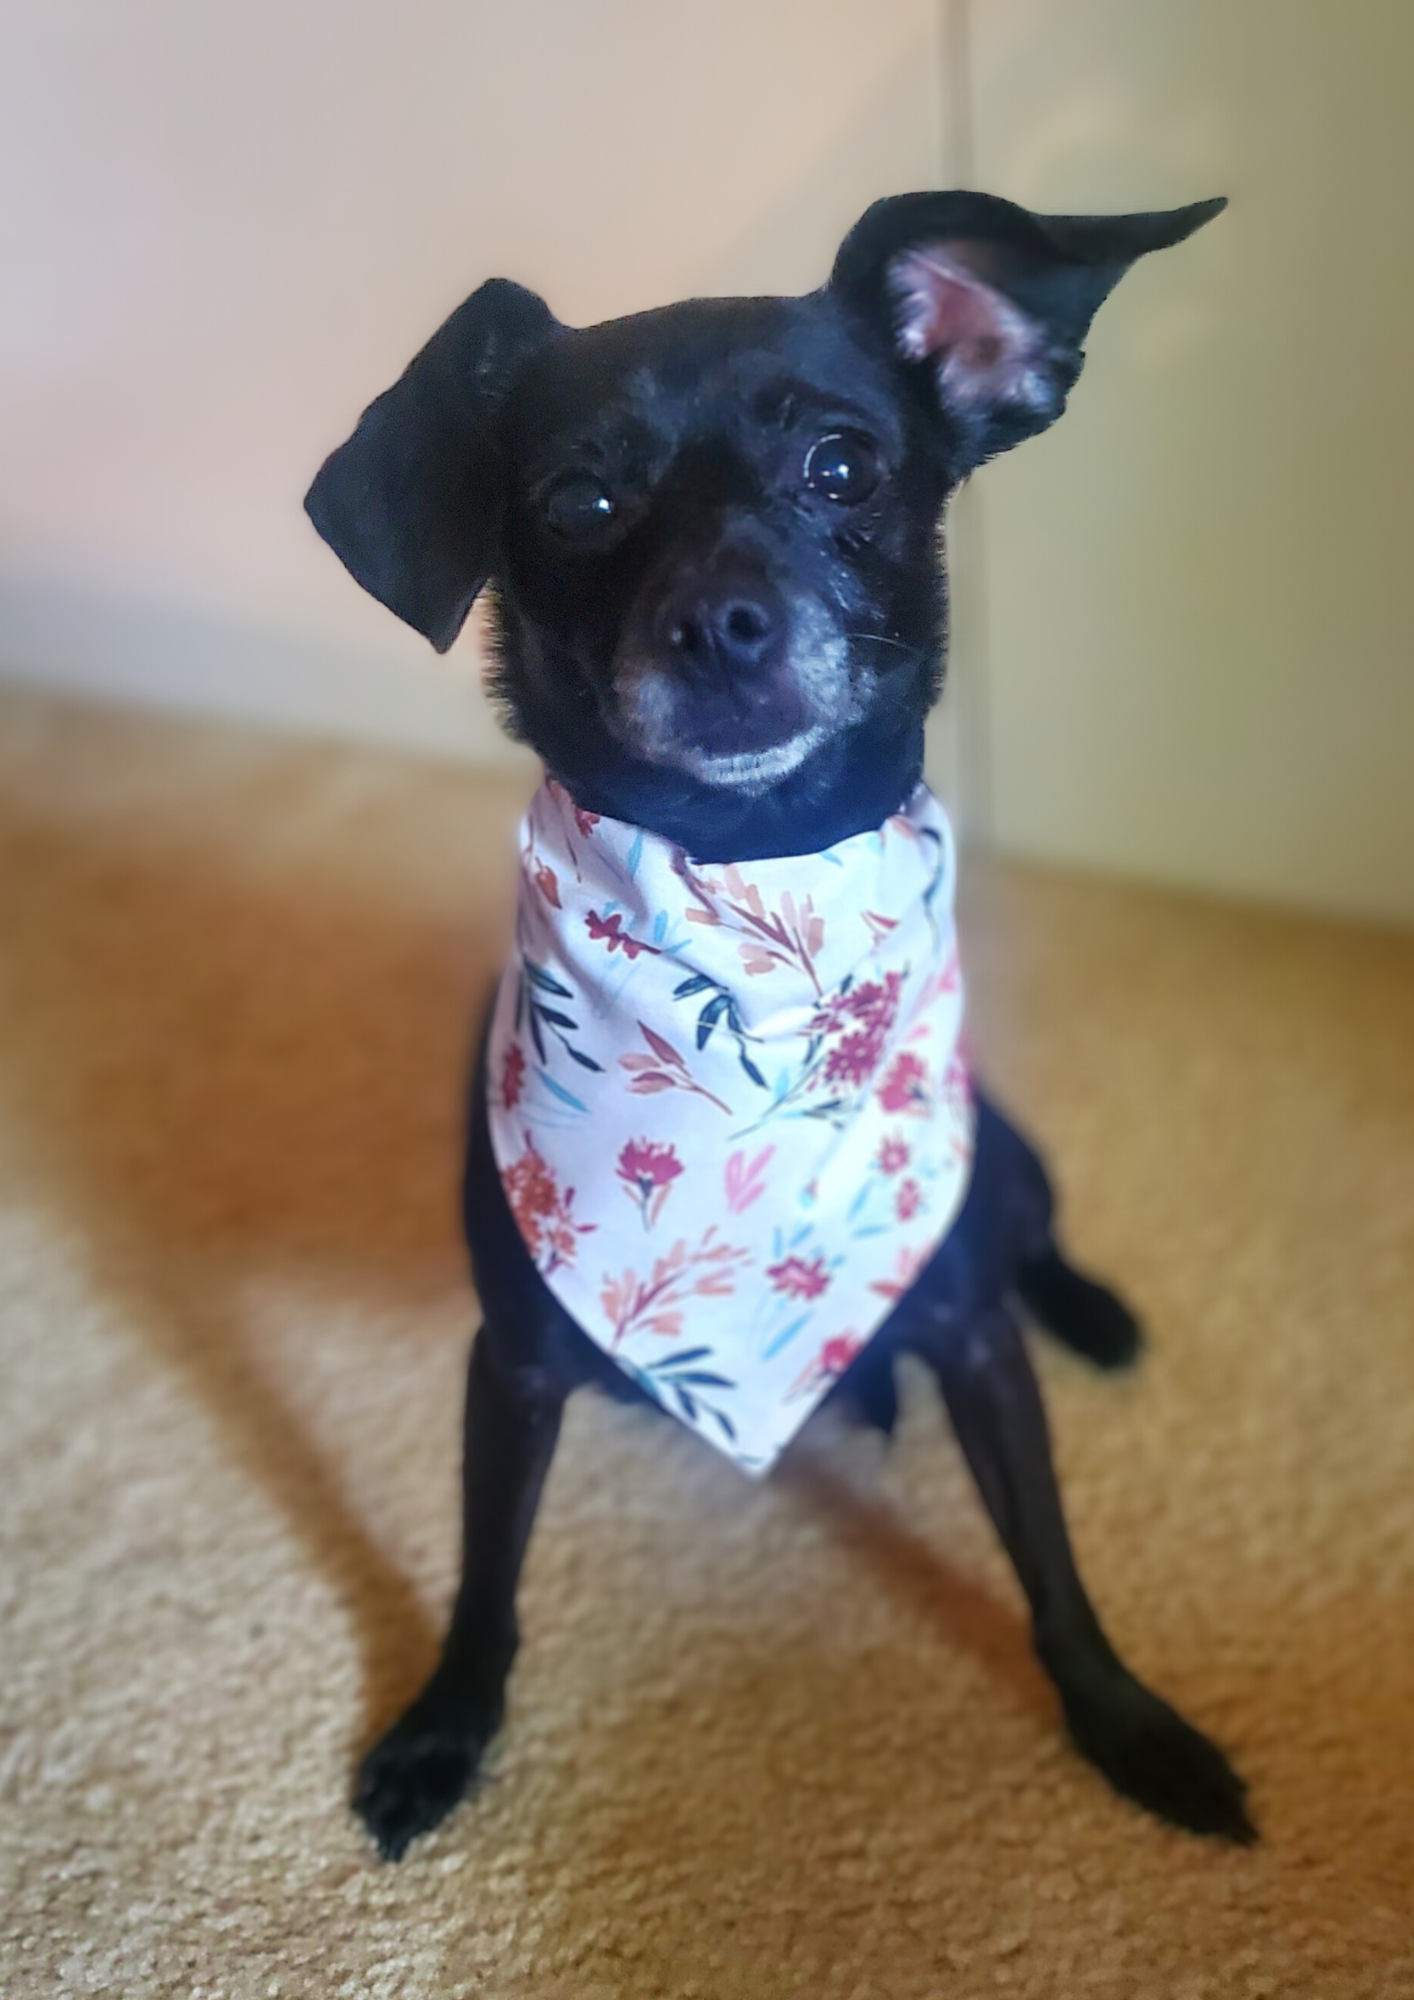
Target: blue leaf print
(541,978)
(784,1339)
(681,1358)
(635,855)
(709,1017)
(676,1373)
(558,1090)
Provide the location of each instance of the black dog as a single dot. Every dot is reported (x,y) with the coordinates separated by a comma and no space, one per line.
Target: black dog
(712,534)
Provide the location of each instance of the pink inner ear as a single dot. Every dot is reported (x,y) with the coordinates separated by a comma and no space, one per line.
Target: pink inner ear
(984,347)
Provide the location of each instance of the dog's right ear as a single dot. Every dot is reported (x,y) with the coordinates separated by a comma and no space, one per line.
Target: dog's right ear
(411,505)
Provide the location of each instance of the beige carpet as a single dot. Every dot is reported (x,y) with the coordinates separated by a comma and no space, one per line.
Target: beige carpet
(779,1741)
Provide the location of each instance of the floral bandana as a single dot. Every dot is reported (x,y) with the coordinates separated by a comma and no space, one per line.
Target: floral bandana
(728,1103)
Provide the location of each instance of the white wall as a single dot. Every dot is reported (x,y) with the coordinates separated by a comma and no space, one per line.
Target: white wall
(1183,635)
(1199,639)
(223,229)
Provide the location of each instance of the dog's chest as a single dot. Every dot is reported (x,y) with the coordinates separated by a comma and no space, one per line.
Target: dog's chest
(728,1103)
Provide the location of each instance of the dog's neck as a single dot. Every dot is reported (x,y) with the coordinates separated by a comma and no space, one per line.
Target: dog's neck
(851,785)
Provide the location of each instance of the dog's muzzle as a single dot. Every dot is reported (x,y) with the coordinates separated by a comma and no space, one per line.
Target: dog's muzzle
(732,681)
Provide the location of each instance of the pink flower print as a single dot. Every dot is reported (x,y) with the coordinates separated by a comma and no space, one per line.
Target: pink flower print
(893,1155)
(945,979)
(909,1200)
(829,1364)
(636,1305)
(513,1076)
(854,1057)
(546,883)
(799,1279)
(806,925)
(559,1238)
(585,821)
(957,1082)
(532,1191)
(866,1014)
(663,1070)
(543,1214)
(836,1355)
(609,930)
(907,1266)
(745,1181)
(872,1004)
(648,1171)
(650,1162)
(793,935)
(879,926)
(849,1032)
(905,1086)
(875,1002)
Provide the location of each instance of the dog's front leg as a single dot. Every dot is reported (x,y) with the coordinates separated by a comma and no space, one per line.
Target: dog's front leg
(412,1778)
(1143,1747)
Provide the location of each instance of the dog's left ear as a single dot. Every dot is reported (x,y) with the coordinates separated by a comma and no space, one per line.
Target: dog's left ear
(993,301)
(411,504)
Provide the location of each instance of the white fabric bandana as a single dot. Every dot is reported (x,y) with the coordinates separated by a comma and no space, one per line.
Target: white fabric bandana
(728,1103)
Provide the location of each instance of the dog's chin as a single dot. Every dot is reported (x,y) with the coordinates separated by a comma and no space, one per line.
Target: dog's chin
(749,771)
(740,751)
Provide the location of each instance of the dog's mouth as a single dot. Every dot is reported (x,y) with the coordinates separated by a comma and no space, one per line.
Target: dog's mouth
(743,715)
(753,770)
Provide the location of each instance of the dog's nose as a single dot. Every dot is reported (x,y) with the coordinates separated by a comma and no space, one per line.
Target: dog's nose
(724,626)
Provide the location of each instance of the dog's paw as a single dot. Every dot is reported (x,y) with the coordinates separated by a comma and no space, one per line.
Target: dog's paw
(1086,1316)
(1107,1332)
(413,1777)
(1148,1752)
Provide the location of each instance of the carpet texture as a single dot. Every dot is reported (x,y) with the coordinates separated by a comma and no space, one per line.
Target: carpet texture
(768,1741)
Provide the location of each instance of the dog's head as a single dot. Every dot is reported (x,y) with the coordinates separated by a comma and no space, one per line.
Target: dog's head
(711,530)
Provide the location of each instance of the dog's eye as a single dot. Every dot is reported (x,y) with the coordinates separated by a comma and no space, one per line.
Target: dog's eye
(843,467)
(577,504)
